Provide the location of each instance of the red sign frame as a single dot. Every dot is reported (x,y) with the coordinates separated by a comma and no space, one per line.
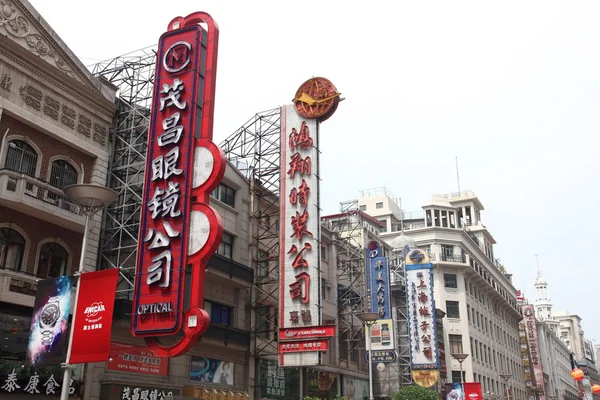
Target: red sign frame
(92,319)
(183,167)
(299,346)
(136,359)
(307,332)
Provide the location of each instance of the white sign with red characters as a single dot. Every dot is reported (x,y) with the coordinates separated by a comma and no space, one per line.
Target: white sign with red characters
(300,230)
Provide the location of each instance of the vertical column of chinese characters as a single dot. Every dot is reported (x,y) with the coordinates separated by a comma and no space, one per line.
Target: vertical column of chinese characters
(380,287)
(300,165)
(164,203)
(425,316)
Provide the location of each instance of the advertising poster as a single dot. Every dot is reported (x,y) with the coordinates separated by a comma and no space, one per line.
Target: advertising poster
(382,335)
(140,360)
(378,281)
(48,332)
(355,389)
(454,391)
(92,319)
(278,383)
(203,369)
(473,391)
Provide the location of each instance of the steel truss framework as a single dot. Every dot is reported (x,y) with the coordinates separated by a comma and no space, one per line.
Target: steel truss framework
(133,75)
(255,151)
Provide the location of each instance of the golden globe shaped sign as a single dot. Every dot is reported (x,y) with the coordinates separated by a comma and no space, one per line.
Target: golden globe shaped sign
(317,98)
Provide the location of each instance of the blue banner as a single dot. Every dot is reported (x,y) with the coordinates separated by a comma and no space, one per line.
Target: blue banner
(378,281)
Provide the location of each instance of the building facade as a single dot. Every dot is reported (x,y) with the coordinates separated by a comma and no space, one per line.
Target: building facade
(471,286)
(54,125)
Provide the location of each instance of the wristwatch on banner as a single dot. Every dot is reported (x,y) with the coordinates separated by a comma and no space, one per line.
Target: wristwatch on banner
(48,318)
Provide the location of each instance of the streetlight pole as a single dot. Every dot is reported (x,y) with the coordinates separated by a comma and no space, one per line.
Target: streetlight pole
(506,377)
(460,357)
(368,319)
(91,199)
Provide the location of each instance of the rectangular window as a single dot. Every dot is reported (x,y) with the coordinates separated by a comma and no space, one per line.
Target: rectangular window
(262,263)
(323,253)
(456,376)
(224,194)
(456,346)
(452,310)
(363,207)
(218,313)
(450,281)
(384,227)
(379,205)
(226,247)
(323,283)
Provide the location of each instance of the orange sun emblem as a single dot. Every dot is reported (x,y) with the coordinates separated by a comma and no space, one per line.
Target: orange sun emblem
(317,98)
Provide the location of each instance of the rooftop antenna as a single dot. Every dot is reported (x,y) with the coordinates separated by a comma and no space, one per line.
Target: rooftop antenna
(537,262)
(457,174)
(401,215)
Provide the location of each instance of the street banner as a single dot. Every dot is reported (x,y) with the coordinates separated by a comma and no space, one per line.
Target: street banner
(92,319)
(48,331)
(473,391)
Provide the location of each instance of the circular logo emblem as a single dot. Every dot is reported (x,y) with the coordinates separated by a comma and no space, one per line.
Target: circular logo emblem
(177,57)
(416,256)
(528,312)
(317,98)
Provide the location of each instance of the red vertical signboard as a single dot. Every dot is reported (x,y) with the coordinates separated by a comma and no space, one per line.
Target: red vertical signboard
(93,317)
(179,231)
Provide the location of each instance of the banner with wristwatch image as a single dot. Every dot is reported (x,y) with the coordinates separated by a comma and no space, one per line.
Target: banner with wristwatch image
(48,332)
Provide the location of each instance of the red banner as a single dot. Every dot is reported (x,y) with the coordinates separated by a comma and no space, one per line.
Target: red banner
(473,391)
(92,319)
(141,360)
(304,345)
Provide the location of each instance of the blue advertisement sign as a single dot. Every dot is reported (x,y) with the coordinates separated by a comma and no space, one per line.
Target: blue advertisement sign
(378,281)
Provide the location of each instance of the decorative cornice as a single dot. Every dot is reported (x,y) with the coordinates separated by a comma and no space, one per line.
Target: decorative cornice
(39,43)
(74,95)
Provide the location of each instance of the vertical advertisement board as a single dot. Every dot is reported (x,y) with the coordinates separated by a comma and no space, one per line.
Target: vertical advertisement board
(179,231)
(300,277)
(300,224)
(534,348)
(421,312)
(378,280)
(48,331)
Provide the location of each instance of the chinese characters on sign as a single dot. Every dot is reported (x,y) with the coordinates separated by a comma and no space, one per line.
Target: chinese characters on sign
(421,310)
(300,233)
(179,231)
(525,355)
(135,393)
(533,346)
(378,280)
(33,384)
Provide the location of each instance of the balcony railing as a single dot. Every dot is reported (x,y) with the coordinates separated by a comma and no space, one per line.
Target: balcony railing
(22,188)
(455,258)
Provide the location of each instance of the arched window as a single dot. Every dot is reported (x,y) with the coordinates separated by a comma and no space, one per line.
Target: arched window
(12,246)
(62,174)
(53,261)
(21,157)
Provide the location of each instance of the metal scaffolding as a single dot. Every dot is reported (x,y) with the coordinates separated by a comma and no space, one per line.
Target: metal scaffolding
(255,151)
(400,307)
(133,75)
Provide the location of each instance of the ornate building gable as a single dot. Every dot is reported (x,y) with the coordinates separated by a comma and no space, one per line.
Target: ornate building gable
(21,23)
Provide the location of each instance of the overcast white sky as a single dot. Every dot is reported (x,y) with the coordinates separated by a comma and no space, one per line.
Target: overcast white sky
(512,88)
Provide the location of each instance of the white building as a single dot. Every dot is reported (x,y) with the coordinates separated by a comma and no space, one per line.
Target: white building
(470,284)
(543,304)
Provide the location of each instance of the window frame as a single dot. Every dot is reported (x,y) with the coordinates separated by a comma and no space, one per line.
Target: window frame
(379,205)
(446,280)
(67,263)
(219,308)
(455,306)
(19,267)
(225,244)
(224,198)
